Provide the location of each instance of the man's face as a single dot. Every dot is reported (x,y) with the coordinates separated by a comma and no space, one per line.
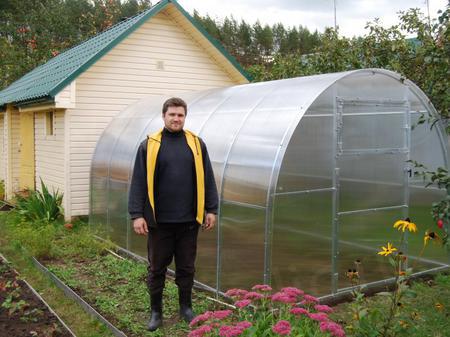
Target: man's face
(174,118)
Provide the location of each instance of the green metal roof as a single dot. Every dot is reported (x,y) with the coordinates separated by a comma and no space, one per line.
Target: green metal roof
(47,80)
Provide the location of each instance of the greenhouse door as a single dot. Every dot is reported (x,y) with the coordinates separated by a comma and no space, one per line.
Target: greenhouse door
(370,180)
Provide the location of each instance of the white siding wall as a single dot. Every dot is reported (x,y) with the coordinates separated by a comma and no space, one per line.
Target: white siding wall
(15,150)
(2,148)
(49,152)
(128,72)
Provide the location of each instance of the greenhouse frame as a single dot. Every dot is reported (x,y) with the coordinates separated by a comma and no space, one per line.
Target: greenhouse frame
(311,172)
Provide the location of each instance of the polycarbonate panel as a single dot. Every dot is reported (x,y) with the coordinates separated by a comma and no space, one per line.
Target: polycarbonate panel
(371,86)
(371,181)
(427,147)
(242,246)
(236,103)
(247,178)
(206,263)
(361,237)
(118,212)
(308,161)
(105,147)
(301,244)
(98,205)
(124,148)
(373,131)
(421,199)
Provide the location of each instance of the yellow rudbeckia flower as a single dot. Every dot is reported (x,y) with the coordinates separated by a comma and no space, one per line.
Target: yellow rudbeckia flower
(405,225)
(430,236)
(387,251)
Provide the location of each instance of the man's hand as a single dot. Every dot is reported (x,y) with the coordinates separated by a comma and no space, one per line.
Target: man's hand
(210,221)
(140,226)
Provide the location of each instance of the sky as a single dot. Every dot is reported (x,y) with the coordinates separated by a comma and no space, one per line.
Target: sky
(351,15)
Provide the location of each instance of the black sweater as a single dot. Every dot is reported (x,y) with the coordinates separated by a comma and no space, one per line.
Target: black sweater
(175,184)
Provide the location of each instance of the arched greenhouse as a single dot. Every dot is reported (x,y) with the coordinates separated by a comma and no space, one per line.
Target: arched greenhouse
(312,172)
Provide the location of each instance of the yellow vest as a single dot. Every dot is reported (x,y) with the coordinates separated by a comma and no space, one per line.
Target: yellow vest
(153,145)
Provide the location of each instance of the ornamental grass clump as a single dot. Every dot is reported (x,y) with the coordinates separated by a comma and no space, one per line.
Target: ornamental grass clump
(40,205)
(289,312)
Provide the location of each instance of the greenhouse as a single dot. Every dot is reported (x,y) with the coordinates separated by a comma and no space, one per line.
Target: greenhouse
(312,172)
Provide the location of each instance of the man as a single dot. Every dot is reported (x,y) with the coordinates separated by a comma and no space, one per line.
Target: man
(171,190)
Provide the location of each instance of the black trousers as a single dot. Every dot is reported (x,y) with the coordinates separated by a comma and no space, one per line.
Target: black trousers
(166,242)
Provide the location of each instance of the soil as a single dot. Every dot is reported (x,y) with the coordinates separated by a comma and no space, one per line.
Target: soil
(22,313)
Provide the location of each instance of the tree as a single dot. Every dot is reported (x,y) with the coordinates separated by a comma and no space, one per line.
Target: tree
(32,32)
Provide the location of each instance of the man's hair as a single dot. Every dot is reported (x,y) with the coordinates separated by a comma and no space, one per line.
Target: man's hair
(174,101)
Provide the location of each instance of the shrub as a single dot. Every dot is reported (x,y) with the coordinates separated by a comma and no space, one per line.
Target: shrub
(40,205)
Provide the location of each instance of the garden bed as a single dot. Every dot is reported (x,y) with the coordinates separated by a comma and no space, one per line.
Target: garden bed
(115,288)
(23,312)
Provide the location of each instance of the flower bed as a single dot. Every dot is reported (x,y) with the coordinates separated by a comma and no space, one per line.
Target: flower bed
(22,312)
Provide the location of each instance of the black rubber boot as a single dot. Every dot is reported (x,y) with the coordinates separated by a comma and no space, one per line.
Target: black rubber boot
(156,315)
(185,300)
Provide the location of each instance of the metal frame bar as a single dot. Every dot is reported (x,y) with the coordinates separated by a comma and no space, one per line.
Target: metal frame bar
(368,210)
(243,204)
(337,147)
(329,189)
(358,152)
(406,178)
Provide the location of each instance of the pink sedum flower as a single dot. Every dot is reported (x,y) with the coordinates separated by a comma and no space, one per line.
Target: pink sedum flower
(333,328)
(282,328)
(242,303)
(244,325)
(201,331)
(318,316)
(299,311)
(310,299)
(236,292)
(230,331)
(201,318)
(283,298)
(262,287)
(323,308)
(221,314)
(292,291)
(253,296)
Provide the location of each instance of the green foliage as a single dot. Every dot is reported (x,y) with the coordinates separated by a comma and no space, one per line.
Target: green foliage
(32,32)
(423,314)
(256,44)
(40,205)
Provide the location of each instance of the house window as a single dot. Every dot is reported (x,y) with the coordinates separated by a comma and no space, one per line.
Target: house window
(49,123)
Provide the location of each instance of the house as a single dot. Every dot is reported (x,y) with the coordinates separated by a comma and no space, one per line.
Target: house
(51,118)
